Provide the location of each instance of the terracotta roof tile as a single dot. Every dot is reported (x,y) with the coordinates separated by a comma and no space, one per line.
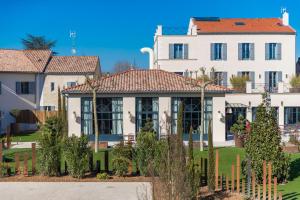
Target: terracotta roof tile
(254,25)
(39,58)
(143,81)
(72,64)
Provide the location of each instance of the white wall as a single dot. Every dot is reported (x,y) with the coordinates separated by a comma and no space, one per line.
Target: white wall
(129,115)
(10,100)
(199,54)
(74,116)
(218,120)
(50,98)
(164,115)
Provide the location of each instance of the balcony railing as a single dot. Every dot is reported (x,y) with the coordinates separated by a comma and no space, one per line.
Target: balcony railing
(262,87)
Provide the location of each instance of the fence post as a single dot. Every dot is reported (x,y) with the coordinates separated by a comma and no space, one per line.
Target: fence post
(217,170)
(33,149)
(264,180)
(17,164)
(253,184)
(205,170)
(232,178)
(280,196)
(270,180)
(25,172)
(106,160)
(275,188)
(227,183)
(238,173)
(243,186)
(258,192)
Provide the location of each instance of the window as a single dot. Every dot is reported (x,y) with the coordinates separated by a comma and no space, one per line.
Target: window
(291,115)
(220,78)
(71,84)
(272,78)
(246,51)
(191,113)
(109,113)
(273,51)
(146,109)
(178,51)
(52,86)
(179,73)
(25,87)
(218,51)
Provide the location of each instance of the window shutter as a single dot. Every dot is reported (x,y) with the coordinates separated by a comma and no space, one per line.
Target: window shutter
(18,87)
(267,79)
(252,79)
(186,51)
(267,51)
(240,51)
(0,87)
(224,51)
(252,51)
(278,51)
(224,76)
(171,51)
(279,76)
(212,51)
(31,87)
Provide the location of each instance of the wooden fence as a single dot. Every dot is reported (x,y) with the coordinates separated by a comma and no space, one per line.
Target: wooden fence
(34,116)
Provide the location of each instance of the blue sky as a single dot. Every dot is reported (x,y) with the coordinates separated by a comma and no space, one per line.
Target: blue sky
(116,30)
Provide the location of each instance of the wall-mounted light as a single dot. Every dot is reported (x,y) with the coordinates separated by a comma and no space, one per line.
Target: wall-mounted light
(281,103)
(249,104)
(259,76)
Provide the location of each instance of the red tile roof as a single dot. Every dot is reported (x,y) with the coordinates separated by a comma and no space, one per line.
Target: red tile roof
(143,81)
(254,25)
(39,61)
(72,64)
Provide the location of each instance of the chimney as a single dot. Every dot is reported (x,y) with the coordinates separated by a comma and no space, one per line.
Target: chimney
(285,17)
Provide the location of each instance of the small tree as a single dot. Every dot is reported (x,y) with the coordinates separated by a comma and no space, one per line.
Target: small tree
(192,168)
(239,82)
(37,42)
(211,160)
(64,116)
(59,111)
(239,130)
(263,143)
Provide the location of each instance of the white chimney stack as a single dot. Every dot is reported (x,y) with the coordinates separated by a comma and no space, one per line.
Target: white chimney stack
(285,17)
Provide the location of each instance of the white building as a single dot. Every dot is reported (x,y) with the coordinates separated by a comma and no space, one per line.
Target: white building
(261,48)
(29,79)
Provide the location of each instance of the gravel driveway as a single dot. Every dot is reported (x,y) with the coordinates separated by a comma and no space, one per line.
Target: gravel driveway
(75,190)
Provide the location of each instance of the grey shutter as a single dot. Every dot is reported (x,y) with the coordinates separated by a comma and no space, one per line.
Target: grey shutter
(0,87)
(252,79)
(18,87)
(31,87)
(267,79)
(252,51)
(239,74)
(279,76)
(224,76)
(186,51)
(212,51)
(278,51)
(240,49)
(267,52)
(224,51)
(171,51)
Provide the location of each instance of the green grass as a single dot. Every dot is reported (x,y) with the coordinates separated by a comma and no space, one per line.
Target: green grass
(26,137)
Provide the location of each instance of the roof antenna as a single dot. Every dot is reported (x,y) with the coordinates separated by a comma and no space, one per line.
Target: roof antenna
(73,39)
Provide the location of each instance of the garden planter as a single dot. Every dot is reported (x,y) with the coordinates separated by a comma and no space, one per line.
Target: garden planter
(294,90)
(239,142)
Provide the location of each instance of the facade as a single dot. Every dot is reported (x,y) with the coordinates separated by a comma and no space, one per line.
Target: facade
(125,102)
(263,49)
(29,79)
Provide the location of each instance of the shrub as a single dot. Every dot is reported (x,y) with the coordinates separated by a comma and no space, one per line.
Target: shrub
(239,82)
(295,81)
(263,143)
(53,124)
(76,152)
(49,154)
(123,150)
(239,128)
(211,160)
(145,151)
(120,165)
(102,176)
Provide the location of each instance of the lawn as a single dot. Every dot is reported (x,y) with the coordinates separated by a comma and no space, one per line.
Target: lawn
(26,137)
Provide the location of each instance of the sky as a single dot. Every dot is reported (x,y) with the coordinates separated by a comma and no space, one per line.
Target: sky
(115,30)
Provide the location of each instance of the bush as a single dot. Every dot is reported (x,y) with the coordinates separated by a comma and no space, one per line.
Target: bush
(53,125)
(102,176)
(295,81)
(49,154)
(123,150)
(239,82)
(120,165)
(145,151)
(76,152)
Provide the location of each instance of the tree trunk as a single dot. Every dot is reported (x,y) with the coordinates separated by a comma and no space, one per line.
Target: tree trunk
(202,118)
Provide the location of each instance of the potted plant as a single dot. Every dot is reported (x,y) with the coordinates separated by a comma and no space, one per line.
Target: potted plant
(239,83)
(295,84)
(15,113)
(239,131)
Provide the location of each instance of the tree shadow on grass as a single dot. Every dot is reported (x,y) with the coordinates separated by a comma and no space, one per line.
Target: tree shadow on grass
(291,196)
(294,169)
